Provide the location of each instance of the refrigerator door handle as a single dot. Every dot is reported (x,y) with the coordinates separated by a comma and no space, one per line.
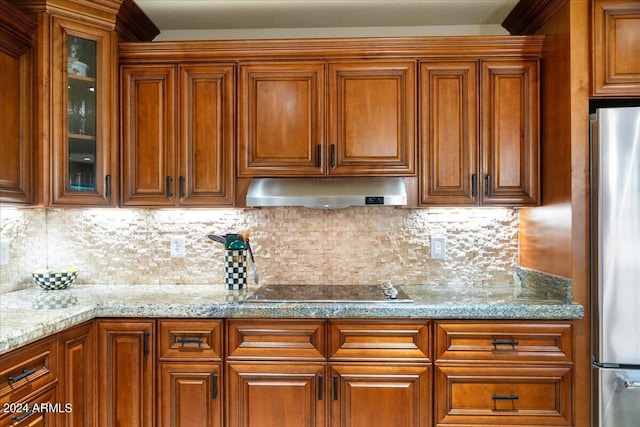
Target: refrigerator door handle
(629,384)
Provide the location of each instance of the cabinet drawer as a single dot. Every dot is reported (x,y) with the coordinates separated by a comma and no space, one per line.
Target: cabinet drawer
(487,396)
(384,340)
(27,369)
(39,410)
(190,340)
(503,342)
(275,339)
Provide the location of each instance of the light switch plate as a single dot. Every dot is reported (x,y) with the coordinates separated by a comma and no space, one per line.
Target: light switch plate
(438,247)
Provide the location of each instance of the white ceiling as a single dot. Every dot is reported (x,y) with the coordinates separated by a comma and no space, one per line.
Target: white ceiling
(189,15)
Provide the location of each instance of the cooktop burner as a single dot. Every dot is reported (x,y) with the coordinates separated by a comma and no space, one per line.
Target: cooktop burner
(329,293)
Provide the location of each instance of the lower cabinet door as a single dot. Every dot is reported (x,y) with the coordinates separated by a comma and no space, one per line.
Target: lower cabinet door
(77,375)
(271,394)
(126,373)
(189,395)
(380,395)
(515,395)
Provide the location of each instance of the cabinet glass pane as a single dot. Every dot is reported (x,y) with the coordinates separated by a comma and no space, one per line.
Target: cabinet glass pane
(81,125)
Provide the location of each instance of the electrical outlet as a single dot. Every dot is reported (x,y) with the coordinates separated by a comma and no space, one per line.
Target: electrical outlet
(178,249)
(438,247)
(5,254)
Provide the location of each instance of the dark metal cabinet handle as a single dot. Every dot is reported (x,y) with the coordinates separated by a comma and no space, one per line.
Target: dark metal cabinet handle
(474,185)
(320,381)
(182,193)
(145,343)
(214,386)
(107,184)
(169,187)
(25,414)
(25,373)
(505,396)
(319,156)
(512,343)
(487,185)
(189,341)
(335,387)
(333,155)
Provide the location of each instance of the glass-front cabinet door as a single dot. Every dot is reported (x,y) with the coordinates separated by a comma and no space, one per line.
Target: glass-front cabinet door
(84,142)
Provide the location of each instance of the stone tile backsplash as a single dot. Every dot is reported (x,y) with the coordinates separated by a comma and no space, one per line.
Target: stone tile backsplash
(291,245)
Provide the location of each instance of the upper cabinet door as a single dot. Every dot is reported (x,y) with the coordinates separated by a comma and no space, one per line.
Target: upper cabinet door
(509,133)
(281,121)
(84,148)
(372,118)
(449,133)
(148,135)
(616,41)
(206,148)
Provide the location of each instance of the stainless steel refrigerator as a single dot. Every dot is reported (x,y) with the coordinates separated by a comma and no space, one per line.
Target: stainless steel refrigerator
(615,186)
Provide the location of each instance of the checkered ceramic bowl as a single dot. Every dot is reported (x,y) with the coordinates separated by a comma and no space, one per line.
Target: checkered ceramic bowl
(55,279)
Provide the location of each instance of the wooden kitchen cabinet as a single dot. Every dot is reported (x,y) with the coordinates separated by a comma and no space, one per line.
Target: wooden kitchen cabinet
(16,136)
(84,139)
(36,418)
(513,395)
(276,394)
(126,373)
(190,394)
(190,380)
(27,370)
(509,136)
(178,153)
(281,119)
(77,372)
(449,145)
(76,160)
(372,118)
(503,373)
(615,63)
(276,372)
(381,372)
(496,165)
(390,395)
(370,110)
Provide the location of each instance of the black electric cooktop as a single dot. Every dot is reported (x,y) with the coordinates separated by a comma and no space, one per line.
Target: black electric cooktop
(329,293)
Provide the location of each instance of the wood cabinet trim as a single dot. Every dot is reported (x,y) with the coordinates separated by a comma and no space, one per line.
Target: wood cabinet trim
(447,47)
(16,30)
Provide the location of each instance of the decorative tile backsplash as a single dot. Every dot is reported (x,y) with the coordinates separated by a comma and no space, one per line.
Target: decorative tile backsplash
(291,245)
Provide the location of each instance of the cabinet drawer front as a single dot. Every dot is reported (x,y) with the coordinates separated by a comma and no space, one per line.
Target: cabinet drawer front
(275,339)
(371,340)
(28,369)
(504,342)
(39,410)
(190,340)
(503,395)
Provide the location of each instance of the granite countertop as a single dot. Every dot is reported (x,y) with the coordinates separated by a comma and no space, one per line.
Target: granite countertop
(33,313)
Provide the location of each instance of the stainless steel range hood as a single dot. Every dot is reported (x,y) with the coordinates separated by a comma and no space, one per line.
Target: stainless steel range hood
(328,193)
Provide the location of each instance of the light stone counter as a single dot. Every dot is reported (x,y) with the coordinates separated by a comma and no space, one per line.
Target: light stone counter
(31,314)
